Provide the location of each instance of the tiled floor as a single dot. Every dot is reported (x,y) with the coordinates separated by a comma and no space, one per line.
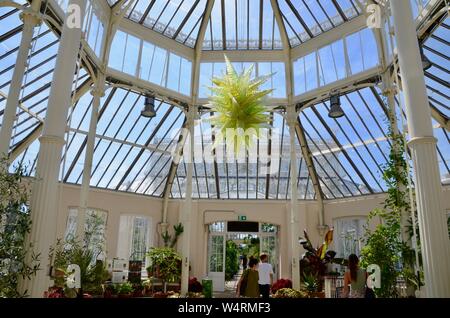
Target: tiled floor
(230,287)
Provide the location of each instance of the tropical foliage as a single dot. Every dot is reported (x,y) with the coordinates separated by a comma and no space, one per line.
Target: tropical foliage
(165,263)
(231,260)
(250,248)
(238,103)
(384,245)
(279,284)
(169,240)
(290,293)
(17,258)
(314,261)
(92,274)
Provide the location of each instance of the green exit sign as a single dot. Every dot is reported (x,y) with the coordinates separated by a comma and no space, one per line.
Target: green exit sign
(242,218)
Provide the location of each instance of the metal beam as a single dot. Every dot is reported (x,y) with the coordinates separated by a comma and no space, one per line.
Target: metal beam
(307,155)
(344,152)
(26,142)
(440,117)
(36,132)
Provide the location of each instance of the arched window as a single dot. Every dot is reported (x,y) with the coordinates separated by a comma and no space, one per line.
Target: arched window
(348,235)
(135,237)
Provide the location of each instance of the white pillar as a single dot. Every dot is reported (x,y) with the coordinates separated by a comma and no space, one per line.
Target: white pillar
(432,220)
(294,222)
(45,189)
(30,18)
(98,91)
(187,214)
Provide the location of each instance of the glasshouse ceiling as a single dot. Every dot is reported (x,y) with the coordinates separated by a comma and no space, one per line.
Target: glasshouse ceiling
(241,24)
(135,154)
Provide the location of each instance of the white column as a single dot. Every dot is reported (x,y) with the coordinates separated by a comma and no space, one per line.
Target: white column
(45,189)
(30,18)
(97,92)
(187,214)
(294,222)
(432,219)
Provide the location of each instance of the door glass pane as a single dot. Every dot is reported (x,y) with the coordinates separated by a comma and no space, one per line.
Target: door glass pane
(269,247)
(216,256)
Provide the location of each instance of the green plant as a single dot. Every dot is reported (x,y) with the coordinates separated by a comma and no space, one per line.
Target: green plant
(72,251)
(311,283)
(170,241)
(231,260)
(17,258)
(238,104)
(124,288)
(290,293)
(166,262)
(384,245)
(251,246)
(315,260)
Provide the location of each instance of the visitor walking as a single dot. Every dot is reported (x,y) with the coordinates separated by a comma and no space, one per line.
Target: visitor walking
(265,272)
(248,284)
(355,277)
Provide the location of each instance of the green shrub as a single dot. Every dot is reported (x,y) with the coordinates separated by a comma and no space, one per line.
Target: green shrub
(231,260)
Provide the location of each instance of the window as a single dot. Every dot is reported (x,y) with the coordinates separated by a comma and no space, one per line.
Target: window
(151,63)
(94,227)
(277,82)
(348,235)
(135,237)
(93,27)
(355,53)
(217,227)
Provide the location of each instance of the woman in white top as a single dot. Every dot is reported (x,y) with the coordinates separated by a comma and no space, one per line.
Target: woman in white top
(265,276)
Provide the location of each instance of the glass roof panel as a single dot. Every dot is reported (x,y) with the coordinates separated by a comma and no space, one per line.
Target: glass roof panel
(242,25)
(176,19)
(134,154)
(306,19)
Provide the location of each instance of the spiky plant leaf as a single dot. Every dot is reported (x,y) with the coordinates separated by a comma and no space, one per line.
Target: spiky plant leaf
(238,103)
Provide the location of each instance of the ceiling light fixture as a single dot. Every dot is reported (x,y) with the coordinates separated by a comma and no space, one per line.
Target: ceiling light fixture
(335,107)
(149,107)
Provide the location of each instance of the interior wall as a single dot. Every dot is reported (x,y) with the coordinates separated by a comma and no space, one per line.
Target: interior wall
(209,211)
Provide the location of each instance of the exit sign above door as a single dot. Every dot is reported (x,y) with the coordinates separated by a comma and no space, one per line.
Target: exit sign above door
(242,218)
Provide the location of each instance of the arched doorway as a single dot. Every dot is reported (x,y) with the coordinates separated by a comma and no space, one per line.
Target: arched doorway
(241,233)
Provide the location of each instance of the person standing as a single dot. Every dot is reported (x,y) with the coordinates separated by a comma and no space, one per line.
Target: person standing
(249,280)
(356,278)
(265,272)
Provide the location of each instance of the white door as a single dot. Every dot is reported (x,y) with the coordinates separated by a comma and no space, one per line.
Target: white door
(216,260)
(269,246)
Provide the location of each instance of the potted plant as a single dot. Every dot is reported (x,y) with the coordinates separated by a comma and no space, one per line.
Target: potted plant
(109,291)
(195,286)
(280,284)
(289,293)
(311,286)
(165,264)
(315,260)
(125,290)
(138,290)
(17,257)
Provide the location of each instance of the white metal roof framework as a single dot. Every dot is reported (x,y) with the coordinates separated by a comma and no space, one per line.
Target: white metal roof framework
(337,158)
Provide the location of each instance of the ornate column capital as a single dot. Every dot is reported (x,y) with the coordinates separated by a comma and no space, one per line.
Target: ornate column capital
(422,140)
(48,139)
(97,91)
(291,116)
(30,17)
